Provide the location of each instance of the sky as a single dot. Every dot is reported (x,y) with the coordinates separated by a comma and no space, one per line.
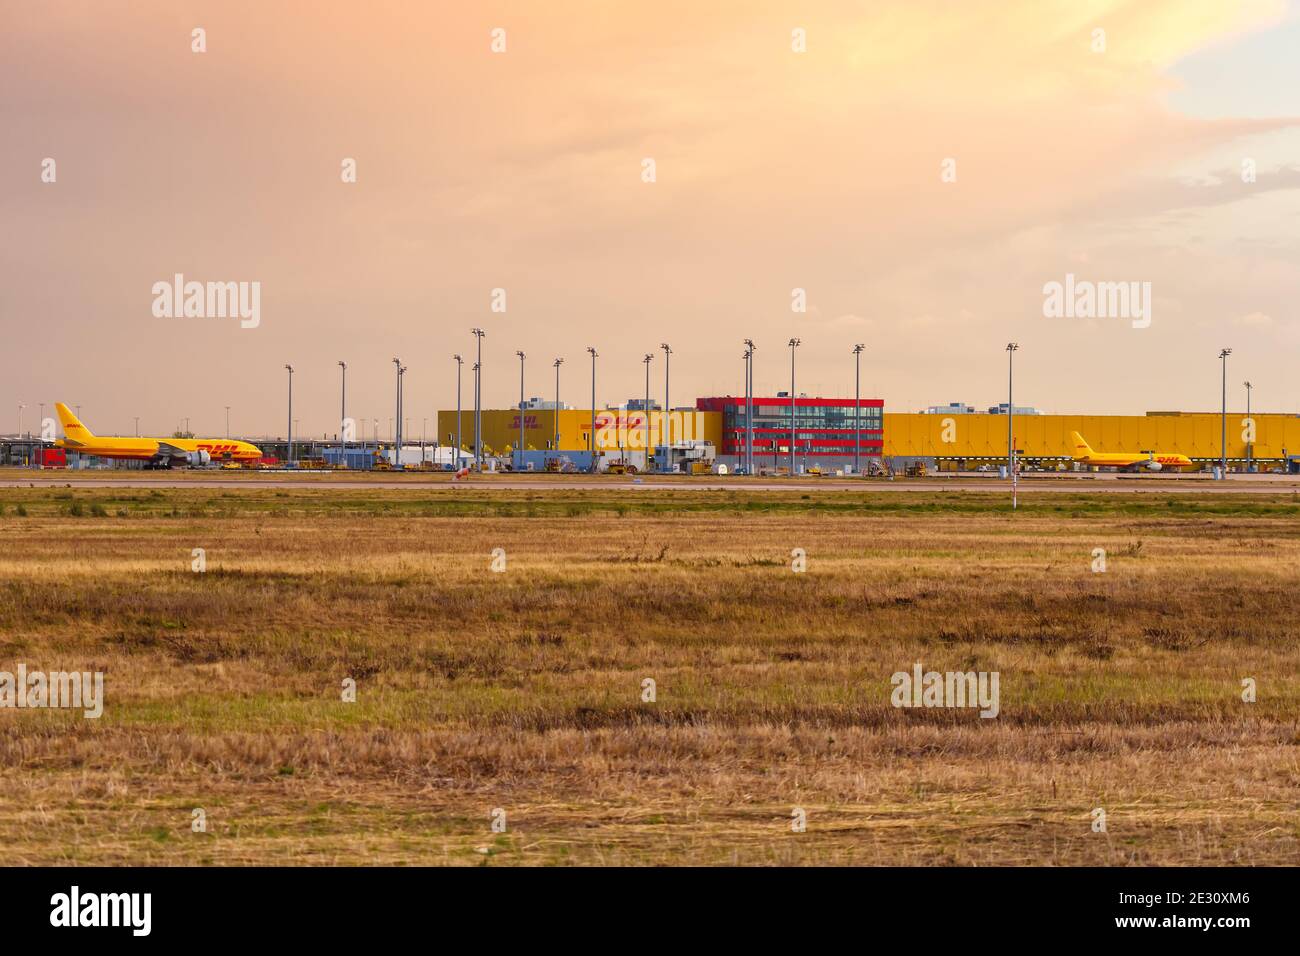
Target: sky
(920,169)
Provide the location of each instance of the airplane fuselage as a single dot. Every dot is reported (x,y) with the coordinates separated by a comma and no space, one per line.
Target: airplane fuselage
(1152,461)
(148,449)
(159,451)
(1166,462)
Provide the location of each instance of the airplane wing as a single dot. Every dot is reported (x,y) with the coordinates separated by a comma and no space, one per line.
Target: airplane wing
(166,450)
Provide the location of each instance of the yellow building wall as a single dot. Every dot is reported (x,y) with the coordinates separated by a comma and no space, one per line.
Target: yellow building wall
(1048,436)
(614,429)
(906,435)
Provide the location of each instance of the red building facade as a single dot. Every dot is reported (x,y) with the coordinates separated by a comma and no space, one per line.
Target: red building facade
(824,428)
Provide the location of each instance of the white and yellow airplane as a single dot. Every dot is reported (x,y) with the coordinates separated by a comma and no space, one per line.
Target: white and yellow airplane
(160,452)
(1150,460)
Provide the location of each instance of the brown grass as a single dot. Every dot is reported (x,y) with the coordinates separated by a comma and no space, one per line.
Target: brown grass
(522,690)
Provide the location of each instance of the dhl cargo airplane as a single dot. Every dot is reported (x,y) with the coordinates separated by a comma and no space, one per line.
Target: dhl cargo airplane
(160,452)
(1151,461)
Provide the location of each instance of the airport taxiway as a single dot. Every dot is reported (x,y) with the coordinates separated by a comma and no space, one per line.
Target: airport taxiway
(324,481)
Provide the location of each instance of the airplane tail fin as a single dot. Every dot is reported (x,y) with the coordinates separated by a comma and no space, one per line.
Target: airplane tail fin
(73,430)
(1081,447)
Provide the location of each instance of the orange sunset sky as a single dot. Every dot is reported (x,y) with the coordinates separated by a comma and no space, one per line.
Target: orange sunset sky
(522,170)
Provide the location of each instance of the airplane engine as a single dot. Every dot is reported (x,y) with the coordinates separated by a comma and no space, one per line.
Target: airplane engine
(197,458)
(1153,466)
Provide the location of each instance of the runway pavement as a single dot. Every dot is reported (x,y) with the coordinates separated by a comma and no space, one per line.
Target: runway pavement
(1037,484)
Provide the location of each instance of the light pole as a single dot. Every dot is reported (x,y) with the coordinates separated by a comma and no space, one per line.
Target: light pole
(478,393)
(749,406)
(21,406)
(794,344)
(455,465)
(857,406)
(668,406)
(397,433)
(227,421)
(1250,446)
(343,403)
(592,350)
(1223,436)
(744,456)
(649,357)
(137,422)
(520,465)
(555,415)
(1012,348)
(289,448)
(474,369)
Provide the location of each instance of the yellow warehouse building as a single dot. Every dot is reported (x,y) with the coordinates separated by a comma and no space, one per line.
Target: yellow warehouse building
(615,428)
(982,436)
(974,437)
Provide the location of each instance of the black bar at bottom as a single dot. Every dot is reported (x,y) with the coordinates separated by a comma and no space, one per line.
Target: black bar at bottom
(336,906)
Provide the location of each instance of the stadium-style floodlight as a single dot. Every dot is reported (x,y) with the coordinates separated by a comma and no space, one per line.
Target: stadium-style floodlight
(289,450)
(649,357)
(520,465)
(1250,445)
(403,423)
(1012,348)
(456,458)
(478,398)
(227,421)
(1223,435)
(591,349)
(555,415)
(749,406)
(857,405)
(794,344)
(397,433)
(21,406)
(668,406)
(343,403)
(749,357)
(475,370)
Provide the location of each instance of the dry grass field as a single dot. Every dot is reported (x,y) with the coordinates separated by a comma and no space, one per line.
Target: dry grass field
(522,690)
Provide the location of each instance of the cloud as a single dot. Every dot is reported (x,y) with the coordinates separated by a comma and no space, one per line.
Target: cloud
(775,170)
(850,321)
